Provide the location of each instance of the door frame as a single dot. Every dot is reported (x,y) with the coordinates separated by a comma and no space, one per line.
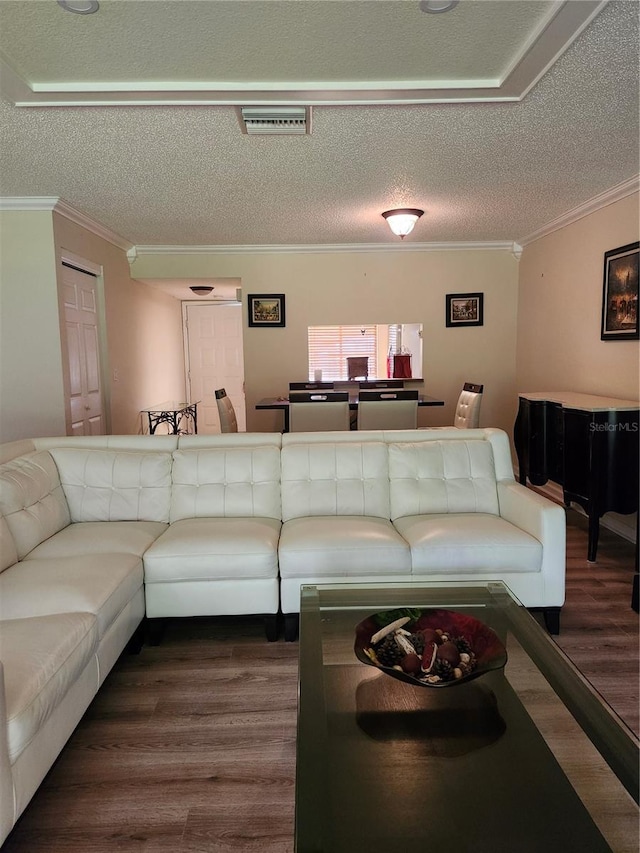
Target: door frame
(91,268)
(185,335)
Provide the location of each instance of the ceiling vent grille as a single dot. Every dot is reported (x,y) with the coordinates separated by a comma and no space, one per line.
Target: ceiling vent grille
(276,120)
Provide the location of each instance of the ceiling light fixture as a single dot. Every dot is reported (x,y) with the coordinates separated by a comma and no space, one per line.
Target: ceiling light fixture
(80,7)
(402,220)
(435,6)
(201,289)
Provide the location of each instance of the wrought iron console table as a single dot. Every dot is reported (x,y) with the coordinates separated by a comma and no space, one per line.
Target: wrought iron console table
(178,416)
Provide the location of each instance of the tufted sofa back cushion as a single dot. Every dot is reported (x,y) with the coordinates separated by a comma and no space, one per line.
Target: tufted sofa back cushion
(115,485)
(236,482)
(442,476)
(335,479)
(32,500)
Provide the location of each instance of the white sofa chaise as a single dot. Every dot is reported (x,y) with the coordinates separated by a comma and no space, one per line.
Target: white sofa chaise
(96,532)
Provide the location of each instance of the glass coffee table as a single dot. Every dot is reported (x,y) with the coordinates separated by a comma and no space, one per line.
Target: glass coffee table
(521,759)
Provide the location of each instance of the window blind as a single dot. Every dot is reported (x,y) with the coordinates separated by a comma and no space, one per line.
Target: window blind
(329,347)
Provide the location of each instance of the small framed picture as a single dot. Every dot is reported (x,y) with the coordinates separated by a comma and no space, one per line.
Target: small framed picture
(266,309)
(620,294)
(465,309)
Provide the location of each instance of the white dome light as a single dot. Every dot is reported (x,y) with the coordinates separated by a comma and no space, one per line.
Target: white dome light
(435,6)
(80,7)
(402,220)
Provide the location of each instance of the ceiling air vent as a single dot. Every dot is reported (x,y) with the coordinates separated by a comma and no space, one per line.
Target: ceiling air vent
(276,120)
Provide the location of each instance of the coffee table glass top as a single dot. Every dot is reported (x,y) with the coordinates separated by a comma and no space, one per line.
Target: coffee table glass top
(528,758)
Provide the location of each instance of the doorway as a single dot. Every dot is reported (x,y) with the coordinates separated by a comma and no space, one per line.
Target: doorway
(214,359)
(85,399)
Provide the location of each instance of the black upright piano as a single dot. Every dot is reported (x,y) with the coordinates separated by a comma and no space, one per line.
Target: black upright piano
(586,444)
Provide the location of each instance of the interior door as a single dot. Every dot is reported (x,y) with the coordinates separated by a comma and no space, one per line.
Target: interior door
(215,360)
(83,352)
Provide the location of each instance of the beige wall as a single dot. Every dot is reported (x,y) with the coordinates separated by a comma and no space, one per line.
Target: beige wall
(372,287)
(560,310)
(31,389)
(560,314)
(144,330)
(143,339)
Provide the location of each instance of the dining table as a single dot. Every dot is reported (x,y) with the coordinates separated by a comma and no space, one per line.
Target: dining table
(282,404)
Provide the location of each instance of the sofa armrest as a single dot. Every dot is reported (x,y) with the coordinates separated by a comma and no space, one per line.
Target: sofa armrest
(544,520)
(7,807)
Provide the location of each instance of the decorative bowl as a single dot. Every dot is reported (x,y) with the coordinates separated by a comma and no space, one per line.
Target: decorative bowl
(487,648)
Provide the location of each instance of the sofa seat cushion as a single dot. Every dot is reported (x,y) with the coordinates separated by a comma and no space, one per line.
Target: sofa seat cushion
(42,658)
(214,549)
(103,585)
(468,542)
(341,546)
(100,537)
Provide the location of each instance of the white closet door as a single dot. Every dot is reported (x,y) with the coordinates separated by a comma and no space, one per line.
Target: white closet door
(83,352)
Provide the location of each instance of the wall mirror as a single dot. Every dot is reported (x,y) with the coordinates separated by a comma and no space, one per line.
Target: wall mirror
(344,353)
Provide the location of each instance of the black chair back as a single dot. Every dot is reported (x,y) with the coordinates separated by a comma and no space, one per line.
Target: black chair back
(382,383)
(310,386)
(390,394)
(319,396)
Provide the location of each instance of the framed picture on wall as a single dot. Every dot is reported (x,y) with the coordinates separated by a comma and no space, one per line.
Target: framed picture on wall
(465,309)
(620,294)
(266,309)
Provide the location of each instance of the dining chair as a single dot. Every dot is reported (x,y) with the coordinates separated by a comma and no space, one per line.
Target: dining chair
(312,411)
(467,414)
(391,409)
(226,412)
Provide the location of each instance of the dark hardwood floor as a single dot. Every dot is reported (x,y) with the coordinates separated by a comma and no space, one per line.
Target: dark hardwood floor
(190,745)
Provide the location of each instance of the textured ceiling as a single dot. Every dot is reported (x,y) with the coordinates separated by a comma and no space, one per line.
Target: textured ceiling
(187,175)
(243,40)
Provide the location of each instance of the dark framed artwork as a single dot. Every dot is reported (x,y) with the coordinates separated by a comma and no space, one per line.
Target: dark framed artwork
(620,294)
(266,309)
(465,309)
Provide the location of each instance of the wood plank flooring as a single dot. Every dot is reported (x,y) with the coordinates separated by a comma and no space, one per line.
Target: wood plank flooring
(190,745)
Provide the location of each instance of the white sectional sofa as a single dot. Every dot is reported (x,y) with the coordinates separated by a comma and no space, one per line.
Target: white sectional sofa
(96,532)
(433,505)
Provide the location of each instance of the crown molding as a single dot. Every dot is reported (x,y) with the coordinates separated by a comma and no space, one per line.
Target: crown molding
(603,199)
(492,246)
(58,205)
(28,202)
(52,203)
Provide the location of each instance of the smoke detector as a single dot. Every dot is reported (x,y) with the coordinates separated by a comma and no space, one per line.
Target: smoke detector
(276,121)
